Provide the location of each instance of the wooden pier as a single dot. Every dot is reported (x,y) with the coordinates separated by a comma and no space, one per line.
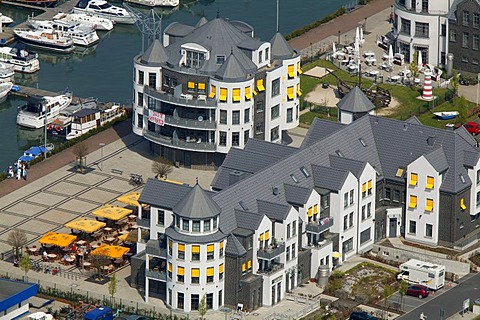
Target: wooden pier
(7,36)
(26,92)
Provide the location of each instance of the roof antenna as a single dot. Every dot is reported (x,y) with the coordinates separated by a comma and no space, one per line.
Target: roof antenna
(196,179)
(218,13)
(231,51)
(277,15)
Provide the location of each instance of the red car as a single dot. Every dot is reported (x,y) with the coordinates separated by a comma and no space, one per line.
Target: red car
(472,127)
(418,290)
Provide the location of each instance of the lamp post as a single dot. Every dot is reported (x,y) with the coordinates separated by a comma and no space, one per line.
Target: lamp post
(339,37)
(101,159)
(311,52)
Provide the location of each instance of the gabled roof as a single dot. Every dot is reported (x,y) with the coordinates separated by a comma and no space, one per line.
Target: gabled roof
(470,158)
(413,120)
(296,194)
(155,55)
(248,220)
(231,70)
(268,148)
(320,130)
(197,204)
(274,211)
(163,194)
(329,178)
(234,247)
(354,166)
(452,13)
(437,159)
(280,47)
(355,101)
(201,22)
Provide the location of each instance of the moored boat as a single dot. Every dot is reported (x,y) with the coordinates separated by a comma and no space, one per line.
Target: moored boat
(21,59)
(40,3)
(39,111)
(5,20)
(35,152)
(97,23)
(46,39)
(103,9)
(7,73)
(156,3)
(81,34)
(5,88)
(446,115)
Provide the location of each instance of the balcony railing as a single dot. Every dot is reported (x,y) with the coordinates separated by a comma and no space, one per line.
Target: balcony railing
(319,244)
(143,223)
(157,251)
(194,124)
(400,4)
(185,100)
(320,226)
(158,275)
(179,143)
(272,269)
(270,252)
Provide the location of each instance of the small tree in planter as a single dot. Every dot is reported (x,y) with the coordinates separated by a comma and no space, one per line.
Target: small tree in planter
(80,150)
(98,263)
(26,264)
(202,307)
(17,239)
(161,167)
(112,286)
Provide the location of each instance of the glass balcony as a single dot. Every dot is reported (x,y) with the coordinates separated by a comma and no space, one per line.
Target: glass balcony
(143,223)
(271,252)
(271,269)
(157,275)
(187,100)
(320,226)
(194,145)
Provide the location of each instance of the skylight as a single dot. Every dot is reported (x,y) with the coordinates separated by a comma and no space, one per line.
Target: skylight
(305,172)
(243,205)
(294,178)
(399,173)
(339,153)
(362,142)
(462,178)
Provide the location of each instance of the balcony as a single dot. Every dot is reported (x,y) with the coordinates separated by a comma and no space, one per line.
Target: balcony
(400,4)
(320,226)
(157,275)
(270,252)
(184,100)
(145,223)
(194,124)
(179,143)
(320,244)
(156,251)
(272,269)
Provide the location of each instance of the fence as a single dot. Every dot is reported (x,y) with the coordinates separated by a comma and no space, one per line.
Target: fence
(311,305)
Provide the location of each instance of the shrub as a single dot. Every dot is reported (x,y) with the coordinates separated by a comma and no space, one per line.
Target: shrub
(315,24)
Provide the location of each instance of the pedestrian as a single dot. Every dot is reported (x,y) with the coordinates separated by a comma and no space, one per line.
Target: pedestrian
(24,173)
(19,172)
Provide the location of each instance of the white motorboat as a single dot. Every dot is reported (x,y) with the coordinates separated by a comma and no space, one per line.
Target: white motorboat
(20,59)
(103,9)
(5,88)
(97,23)
(6,73)
(39,111)
(81,34)
(156,3)
(5,20)
(46,39)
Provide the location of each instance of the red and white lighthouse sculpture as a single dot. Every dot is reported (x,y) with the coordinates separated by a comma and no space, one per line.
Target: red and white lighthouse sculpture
(427,87)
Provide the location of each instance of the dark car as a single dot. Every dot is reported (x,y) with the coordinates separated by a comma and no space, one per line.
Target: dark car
(418,291)
(362,315)
(463,81)
(472,127)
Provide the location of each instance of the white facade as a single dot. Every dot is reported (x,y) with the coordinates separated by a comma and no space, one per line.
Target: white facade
(422,26)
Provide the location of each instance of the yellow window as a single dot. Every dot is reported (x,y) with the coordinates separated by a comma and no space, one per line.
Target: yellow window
(195,249)
(369,184)
(291,71)
(223,94)
(210,248)
(210,272)
(267,236)
(413,202)
(201,86)
(220,268)
(462,204)
(181,247)
(191,85)
(169,267)
(429,206)
(430,182)
(315,209)
(399,172)
(299,69)
(413,179)
(261,237)
(260,85)
(195,273)
(170,243)
(236,95)
(248,93)
(244,267)
(180,271)
(364,187)
(221,245)
(213,92)
(290,93)
(310,211)
(299,92)
(249,264)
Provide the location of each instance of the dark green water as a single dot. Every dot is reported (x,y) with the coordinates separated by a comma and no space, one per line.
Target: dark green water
(105,71)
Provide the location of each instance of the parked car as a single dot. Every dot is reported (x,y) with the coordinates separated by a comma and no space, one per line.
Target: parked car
(472,127)
(418,290)
(463,81)
(362,315)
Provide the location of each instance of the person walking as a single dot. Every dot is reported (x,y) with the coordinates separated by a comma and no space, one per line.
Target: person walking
(24,172)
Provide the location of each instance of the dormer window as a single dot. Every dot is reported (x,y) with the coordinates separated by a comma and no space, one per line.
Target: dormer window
(220,59)
(196,226)
(206,225)
(186,225)
(194,59)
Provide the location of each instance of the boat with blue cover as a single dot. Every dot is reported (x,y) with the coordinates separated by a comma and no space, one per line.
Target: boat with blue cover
(35,152)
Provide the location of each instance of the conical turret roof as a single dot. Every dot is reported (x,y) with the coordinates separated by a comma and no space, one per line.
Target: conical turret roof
(197,204)
(231,69)
(155,55)
(280,47)
(356,101)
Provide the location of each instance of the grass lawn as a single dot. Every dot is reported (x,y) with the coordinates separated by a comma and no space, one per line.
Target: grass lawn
(407,97)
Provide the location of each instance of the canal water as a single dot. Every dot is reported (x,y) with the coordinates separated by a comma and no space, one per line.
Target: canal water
(105,71)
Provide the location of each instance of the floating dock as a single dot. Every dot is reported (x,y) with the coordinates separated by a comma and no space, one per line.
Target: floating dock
(26,92)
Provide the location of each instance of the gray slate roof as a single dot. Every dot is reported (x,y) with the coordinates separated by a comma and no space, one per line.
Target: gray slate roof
(248,220)
(281,49)
(352,165)
(437,159)
(155,55)
(355,101)
(187,238)
(296,195)
(178,29)
(197,204)
(329,178)
(234,247)
(231,70)
(268,148)
(452,14)
(163,194)
(274,211)
(413,120)
(320,130)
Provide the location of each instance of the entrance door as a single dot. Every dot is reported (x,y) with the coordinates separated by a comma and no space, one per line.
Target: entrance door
(393,228)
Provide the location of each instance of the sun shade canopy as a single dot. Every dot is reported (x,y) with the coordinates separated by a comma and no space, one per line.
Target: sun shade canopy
(114,252)
(57,239)
(112,212)
(86,225)
(130,198)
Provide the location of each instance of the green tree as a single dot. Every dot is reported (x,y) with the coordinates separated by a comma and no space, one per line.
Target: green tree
(25,263)
(112,285)
(454,81)
(161,167)
(402,291)
(461,103)
(387,293)
(80,150)
(203,307)
(413,67)
(17,239)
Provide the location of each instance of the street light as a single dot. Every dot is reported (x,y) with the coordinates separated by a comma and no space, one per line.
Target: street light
(101,159)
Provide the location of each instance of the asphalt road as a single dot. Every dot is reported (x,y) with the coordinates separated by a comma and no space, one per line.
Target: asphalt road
(450,301)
